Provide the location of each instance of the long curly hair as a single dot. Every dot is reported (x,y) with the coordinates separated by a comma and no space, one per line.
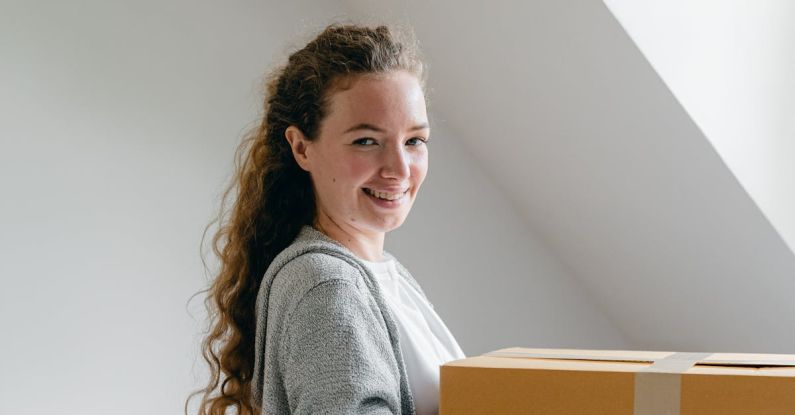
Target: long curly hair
(272,197)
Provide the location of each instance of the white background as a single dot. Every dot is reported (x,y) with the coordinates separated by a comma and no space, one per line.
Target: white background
(570,200)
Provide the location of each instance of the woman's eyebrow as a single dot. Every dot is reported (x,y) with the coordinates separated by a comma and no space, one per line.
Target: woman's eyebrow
(366,126)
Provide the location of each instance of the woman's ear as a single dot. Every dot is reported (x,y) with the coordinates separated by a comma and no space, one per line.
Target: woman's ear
(299,145)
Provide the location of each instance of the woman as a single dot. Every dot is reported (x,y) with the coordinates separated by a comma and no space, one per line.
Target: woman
(310,314)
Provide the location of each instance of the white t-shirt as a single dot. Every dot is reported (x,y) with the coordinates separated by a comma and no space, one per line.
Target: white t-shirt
(425,341)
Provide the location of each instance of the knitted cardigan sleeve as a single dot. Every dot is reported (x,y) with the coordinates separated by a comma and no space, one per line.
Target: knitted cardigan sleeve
(337,357)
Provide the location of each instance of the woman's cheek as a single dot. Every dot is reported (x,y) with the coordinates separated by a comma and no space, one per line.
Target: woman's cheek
(360,168)
(421,164)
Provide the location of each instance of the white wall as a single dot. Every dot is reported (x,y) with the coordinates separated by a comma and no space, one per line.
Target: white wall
(731,65)
(118,122)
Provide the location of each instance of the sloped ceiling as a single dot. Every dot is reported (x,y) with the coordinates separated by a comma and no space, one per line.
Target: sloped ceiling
(730,64)
(564,112)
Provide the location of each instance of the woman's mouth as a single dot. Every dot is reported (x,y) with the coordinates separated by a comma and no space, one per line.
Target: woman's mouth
(387,200)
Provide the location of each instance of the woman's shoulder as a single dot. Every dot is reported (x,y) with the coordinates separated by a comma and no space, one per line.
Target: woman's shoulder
(318,267)
(304,272)
(312,259)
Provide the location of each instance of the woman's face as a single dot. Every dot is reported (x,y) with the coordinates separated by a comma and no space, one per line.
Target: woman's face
(372,139)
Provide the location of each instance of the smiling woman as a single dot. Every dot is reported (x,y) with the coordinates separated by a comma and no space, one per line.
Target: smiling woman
(308,313)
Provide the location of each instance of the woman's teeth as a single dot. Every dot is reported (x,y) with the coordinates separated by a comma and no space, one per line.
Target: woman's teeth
(384,196)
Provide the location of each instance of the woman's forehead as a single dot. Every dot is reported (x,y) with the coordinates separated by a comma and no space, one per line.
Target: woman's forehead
(388,101)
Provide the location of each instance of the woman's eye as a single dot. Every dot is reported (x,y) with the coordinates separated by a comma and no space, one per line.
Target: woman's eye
(416,141)
(359,141)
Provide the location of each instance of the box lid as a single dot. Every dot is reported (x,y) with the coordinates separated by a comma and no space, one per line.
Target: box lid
(633,361)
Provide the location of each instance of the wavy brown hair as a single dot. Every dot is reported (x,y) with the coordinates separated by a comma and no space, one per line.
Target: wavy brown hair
(273,198)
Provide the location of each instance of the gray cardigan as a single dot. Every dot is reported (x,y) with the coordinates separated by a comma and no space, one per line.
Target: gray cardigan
(326,341)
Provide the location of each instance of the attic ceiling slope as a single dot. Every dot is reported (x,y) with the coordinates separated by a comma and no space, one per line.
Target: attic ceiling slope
(564,112)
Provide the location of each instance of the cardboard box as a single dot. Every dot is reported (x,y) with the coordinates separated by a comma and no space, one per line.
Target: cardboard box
(616,382)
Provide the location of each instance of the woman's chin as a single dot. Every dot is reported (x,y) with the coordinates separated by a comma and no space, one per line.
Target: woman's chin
(387,224)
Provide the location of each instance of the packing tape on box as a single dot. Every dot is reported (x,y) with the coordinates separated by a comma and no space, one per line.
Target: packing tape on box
(657,387)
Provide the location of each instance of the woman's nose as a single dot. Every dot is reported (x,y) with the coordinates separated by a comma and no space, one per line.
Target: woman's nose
(396,163)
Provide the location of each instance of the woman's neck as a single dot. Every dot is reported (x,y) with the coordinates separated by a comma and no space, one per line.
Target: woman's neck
(367,246)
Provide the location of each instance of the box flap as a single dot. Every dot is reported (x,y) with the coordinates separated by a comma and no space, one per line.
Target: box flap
(746,360)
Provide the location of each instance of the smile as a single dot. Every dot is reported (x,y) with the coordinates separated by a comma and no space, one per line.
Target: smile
(386,200)
(384,196)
